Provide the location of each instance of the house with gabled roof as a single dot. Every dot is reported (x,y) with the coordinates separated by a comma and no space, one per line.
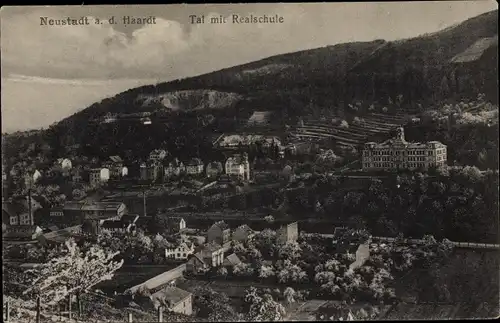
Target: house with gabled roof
(173,299)
(219,233)
(194,166)
(182,251)
(196,265)
(18,213)
(115,166)
(103,210)
(208,256)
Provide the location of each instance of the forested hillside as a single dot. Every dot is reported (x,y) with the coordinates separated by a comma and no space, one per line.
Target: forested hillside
(417,73)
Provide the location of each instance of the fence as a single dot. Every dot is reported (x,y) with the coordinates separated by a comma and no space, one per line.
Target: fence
(7,310)
(161,279)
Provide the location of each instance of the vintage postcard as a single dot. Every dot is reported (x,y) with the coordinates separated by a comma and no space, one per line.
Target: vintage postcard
(250,162)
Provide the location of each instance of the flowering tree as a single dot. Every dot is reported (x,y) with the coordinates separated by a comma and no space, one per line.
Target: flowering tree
(344,124)
(290,250)
(243,269)
(292,273)
(72,272)
(263,308)
(213,305)
(269,219)
(289,294)
(266,271)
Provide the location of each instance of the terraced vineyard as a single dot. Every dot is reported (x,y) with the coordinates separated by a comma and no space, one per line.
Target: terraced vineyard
(368,128)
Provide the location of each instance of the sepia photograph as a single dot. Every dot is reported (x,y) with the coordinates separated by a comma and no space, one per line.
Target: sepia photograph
(250,162)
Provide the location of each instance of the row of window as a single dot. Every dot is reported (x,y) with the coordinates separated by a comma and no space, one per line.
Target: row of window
(391,165)
(387,158)
(24,219)
(416,158)
(399,152)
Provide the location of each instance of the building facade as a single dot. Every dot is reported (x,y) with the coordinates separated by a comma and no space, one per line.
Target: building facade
(397,153)
(115,165)
(174,168)
(158,155)
(181,252)
(194,167)
(287,233)
(95,177)
(238,166)
(212,254)
(151,171)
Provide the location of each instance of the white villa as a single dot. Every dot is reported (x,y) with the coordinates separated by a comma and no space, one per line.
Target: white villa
(181,252)
(239,166)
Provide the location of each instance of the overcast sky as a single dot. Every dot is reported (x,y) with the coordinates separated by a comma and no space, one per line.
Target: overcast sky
(102,60)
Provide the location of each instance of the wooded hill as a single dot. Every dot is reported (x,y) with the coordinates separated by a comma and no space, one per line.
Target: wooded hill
(454,64)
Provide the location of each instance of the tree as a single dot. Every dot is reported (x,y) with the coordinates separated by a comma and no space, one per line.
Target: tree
(243,269)
(292,273)
(266,271)
(72,272)
(291,250)
(344,124)
(263,308)
(269,219)
(213,305)
(222,271)
(289,294)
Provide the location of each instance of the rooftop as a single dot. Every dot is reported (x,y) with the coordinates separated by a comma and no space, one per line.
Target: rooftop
(233,259)
(110,224)
(237,159)
(222,225)
(194,162)
(169,296)
(20,232)
(116,159)
(92,206)
(245,228)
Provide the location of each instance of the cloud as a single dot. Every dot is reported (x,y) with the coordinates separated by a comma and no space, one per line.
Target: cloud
(166,49)
(174,48)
